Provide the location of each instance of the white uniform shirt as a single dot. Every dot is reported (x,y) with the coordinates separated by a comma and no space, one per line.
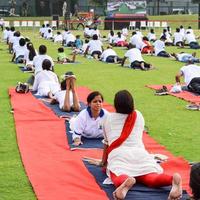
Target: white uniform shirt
(95,45)
(60,97)
(20,50)
(151,36)
(189,72)
(5,34)
(26,57)
(178,37)
(85,125)
(131,157)
(45,75)
(134,54)
(58,38)
(190,38)
(38,60)
(106,53)
(136,40)
(159,46)
(69,38)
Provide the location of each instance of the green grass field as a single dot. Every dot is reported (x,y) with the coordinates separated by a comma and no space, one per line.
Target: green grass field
(168,121)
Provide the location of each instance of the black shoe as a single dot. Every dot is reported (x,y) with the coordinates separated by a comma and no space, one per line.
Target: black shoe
(162,91)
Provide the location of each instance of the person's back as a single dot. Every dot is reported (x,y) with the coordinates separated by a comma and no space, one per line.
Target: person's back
(159,46)
(189,72)
(134,54)
(106,53)
(38,60)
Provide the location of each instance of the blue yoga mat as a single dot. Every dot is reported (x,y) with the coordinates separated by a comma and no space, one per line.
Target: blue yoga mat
(87,143)
(57,110)
(138,192)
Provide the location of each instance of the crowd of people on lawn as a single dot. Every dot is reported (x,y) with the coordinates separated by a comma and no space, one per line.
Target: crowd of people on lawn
(123,130)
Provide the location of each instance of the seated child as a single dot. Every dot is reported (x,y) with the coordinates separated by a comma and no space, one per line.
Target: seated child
(62,58)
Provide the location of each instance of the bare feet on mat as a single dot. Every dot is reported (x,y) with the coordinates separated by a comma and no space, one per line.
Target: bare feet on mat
(121,191)
(176,191)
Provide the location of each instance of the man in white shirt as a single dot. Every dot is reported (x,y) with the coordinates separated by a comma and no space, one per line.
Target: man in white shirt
(135,58)
(159,47)
(46,82)
(191,74)
(136,40)
(110,56)
(69,39)
(178,38)
(19,51)
(191,40)
(38,60)
(95,46)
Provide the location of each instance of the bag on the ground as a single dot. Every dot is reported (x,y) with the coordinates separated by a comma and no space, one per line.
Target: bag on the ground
(22,88)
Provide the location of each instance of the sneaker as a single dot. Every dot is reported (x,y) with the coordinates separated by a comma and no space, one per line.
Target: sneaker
(162,91)
(193,107)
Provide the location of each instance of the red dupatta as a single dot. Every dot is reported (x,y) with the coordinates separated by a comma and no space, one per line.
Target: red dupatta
(126,131)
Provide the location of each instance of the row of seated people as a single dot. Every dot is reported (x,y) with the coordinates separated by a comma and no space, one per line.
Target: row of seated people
(122,162)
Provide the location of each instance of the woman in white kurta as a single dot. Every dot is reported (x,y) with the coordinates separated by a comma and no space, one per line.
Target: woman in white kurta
(130,162)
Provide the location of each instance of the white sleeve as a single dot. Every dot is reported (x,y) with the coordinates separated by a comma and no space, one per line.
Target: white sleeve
(35,84)
(79,125)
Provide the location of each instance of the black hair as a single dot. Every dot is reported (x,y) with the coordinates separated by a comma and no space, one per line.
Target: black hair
(63,85)
(124,102)
(95,37)
(86,41)
(49,30)
(58,33)
(119,34)
(195,180)
(31,49)
(112,33)
(22,42)
(152,30)
(177,29)
(17,34)
(78,36)
(145,38)
(92,95)
(42,49)
(60,49)
(46,64)
(12,28)
(163,37)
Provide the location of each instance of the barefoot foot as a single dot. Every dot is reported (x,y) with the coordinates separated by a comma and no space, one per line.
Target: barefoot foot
(176,191)
(121,191)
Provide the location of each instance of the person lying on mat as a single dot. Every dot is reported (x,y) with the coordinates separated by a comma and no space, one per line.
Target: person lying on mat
(110,56)
(46,82)
(125,157)
(89,121)
(195,181)
(62,58)
(191,74)
(67,97)
(135,58)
